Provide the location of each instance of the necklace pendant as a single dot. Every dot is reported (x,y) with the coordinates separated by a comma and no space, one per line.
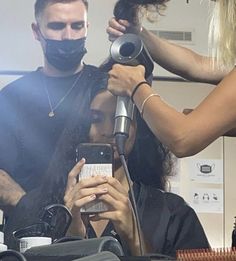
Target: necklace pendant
(51,114)
(53,108)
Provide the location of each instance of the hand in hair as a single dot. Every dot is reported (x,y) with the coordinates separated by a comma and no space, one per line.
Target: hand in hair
(127,16)
(119,27)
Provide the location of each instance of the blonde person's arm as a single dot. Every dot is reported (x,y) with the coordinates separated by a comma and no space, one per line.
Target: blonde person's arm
(180,60)
(174,58)
(230,133)
(185,135)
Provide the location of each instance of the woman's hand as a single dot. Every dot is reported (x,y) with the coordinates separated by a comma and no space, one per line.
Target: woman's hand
(117,28)
(78,194)
(123,79)
(120,212)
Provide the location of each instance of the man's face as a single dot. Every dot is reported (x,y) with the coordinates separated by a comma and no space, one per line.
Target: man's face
(63,21)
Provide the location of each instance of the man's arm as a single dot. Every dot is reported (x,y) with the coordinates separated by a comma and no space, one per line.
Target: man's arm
(10,192)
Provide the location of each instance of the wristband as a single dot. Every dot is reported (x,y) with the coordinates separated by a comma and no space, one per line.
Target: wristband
(145,101)
(136,88)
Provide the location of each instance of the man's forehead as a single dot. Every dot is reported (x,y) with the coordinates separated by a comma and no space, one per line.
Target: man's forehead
(62,8)
(65,12)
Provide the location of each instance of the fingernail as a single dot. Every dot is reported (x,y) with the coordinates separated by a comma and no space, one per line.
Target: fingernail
(82,160)
(104,177)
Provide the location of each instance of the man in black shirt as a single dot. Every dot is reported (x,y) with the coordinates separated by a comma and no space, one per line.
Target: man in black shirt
(35,107)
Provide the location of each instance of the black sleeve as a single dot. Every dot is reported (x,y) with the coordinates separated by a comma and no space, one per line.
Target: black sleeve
(24,214)
(185,231)
(8,140)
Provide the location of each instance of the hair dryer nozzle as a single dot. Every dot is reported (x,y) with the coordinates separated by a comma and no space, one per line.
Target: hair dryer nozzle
(129,49)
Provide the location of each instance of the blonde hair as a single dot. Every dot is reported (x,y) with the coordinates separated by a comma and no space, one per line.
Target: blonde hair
(222,33)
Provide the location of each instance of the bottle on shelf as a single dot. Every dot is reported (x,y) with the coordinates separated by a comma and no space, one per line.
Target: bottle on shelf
(3,247)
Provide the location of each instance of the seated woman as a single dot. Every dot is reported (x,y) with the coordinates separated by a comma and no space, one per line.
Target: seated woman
(167,222)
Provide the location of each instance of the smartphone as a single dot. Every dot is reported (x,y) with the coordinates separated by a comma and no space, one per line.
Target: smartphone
(99,161)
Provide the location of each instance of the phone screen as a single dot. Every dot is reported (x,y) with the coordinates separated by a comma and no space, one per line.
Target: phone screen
(99,161)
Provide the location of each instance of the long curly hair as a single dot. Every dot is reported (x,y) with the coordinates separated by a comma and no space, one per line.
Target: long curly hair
(150,162)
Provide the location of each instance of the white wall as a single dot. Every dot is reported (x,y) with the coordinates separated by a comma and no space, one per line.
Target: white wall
(18,49)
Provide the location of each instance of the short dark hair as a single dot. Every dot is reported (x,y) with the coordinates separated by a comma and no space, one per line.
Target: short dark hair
(40,5)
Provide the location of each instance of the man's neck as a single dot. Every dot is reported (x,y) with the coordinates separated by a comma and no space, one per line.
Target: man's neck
(50,70)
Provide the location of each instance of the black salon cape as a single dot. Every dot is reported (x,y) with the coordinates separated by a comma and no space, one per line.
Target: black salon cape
(167,222)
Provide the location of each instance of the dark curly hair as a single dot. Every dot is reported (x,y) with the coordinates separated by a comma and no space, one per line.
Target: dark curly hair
(150,162)
(129,9)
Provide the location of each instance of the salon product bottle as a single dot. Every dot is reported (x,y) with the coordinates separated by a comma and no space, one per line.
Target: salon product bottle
(28,242)
(3,247)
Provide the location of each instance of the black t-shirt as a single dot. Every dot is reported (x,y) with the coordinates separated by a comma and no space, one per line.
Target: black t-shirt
(28,136)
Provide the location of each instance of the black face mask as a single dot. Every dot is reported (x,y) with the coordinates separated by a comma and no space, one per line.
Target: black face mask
(65,55)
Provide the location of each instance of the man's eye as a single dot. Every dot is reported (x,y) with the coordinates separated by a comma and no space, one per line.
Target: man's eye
(77,26)
(95,118)
(56,26)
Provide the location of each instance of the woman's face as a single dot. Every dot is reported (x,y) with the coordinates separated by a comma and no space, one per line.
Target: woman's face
(103,109)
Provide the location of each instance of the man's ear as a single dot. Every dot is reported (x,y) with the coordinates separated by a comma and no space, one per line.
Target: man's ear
(35,29)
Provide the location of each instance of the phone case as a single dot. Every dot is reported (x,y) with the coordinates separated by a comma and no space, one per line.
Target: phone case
(99,159)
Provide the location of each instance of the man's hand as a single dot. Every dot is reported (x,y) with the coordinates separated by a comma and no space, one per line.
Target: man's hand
(10,192)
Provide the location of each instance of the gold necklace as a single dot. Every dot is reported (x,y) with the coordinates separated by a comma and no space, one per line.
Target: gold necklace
(53,108)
